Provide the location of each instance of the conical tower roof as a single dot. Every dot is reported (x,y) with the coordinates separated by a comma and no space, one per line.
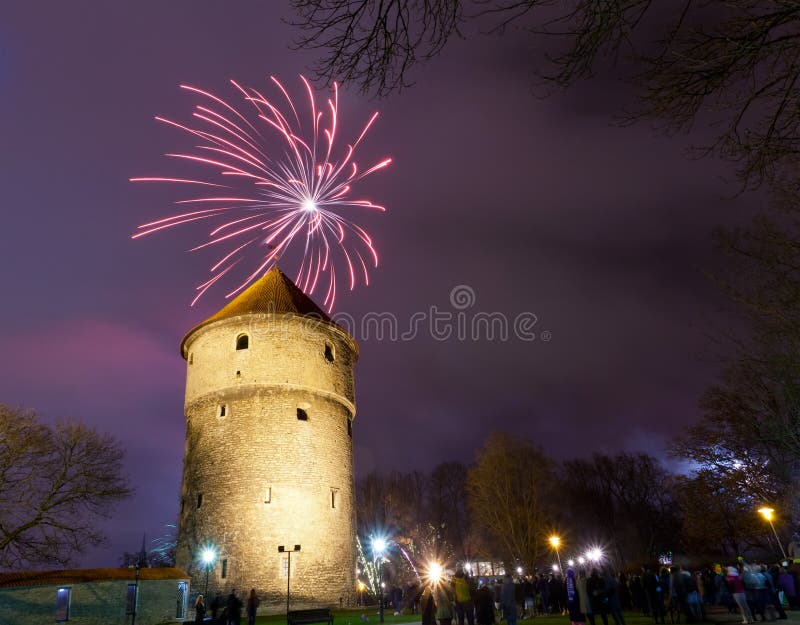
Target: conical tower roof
(273,293)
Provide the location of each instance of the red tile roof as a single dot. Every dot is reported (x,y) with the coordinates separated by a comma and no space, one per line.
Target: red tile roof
(272,293)
(78,576)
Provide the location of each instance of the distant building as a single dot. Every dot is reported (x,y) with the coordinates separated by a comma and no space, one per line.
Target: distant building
(93,596)
(268,460)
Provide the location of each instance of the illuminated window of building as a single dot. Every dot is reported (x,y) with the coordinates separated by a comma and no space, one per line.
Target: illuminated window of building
(302,415)
(242,342)
(225,568)
(62,604)
(334,498)
(199,499)
(268,494)
(183,596)
(329,355)
(223,410)
(130,599)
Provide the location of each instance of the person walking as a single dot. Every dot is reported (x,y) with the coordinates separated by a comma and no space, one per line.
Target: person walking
(199,609)
(736,586)
(252,606)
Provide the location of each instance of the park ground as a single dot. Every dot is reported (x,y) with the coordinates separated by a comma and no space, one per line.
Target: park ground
(370,617)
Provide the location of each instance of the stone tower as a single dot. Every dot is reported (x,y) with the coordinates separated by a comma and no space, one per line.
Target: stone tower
(269,455)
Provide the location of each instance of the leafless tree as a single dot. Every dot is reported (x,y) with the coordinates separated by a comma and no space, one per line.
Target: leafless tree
(55,482)
(731,65)
(509,498)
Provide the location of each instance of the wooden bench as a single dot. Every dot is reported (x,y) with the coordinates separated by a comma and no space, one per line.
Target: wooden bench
(303,617)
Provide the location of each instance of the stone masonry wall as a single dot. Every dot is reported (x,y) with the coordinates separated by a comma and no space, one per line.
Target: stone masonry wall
(266,477)
(91,603)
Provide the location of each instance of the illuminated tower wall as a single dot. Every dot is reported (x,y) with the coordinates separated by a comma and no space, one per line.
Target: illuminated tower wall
(268,459)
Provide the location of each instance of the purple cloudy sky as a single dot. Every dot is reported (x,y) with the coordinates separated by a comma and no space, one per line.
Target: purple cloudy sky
(540,206)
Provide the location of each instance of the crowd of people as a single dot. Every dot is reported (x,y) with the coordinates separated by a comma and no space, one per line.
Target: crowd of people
(227,611)
(596,595)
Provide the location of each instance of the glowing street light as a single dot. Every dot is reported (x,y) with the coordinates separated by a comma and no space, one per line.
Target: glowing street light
(570,562)
(769,514)
(208,556)
(555,568)
(435,572)
(595,554)
(555,542)
(361,587)
(581,560)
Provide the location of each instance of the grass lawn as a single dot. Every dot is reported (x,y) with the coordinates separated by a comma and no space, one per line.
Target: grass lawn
(353,617)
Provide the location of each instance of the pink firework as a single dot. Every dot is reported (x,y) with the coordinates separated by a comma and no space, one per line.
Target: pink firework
(277,184)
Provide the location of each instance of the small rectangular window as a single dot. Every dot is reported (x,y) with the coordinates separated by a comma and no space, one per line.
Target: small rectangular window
(224,568)
(268,495)
(62,604)
(334,498)
(302,415)
(130,599)
(199,499)
(223,409)
(349,427)
(284,567)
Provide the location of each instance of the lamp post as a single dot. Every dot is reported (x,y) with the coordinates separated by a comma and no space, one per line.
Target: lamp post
(768,514)
(136,593)
(378,547)
(288,552)
(555,541)
(208,556)
(361,592)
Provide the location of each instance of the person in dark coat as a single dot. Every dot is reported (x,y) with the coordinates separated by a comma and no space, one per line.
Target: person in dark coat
(252,606)
(596,588)
(484,606)
(508,600)
(233,609)
(427,607)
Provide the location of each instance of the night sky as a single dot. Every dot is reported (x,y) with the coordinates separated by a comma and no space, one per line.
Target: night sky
(538,205)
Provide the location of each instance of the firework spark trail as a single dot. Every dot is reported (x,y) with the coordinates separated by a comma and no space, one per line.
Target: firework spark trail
(280,182)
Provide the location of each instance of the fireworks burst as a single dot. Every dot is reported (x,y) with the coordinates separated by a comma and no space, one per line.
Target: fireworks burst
(276,184)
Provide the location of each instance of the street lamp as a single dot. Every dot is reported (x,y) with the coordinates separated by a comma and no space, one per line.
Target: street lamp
(378,547)
(555,541)
(768,514)
(594,554)
(208,556)
(361,587)
(288,552)
(435,572)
